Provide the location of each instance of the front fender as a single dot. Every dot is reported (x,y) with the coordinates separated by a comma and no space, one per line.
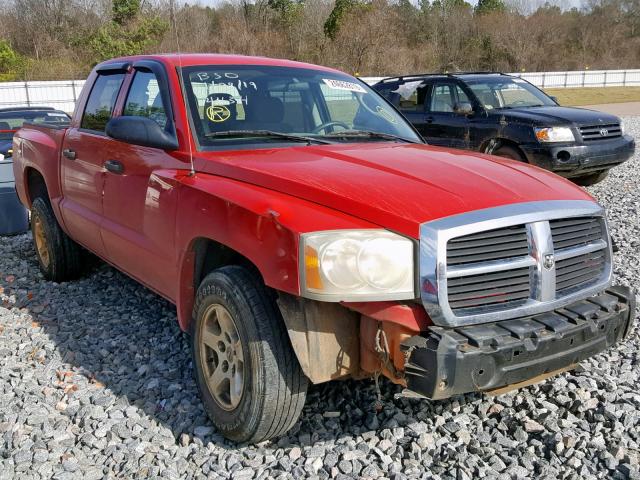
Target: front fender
(262,225)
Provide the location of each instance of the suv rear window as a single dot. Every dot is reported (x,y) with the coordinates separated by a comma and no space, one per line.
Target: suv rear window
(102,99)
(12,121)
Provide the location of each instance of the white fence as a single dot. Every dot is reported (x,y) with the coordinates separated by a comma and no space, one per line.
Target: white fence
(576,79)
(63,94)
(58,94)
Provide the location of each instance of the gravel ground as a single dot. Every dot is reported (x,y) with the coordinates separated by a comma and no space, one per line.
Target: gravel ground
(96,382)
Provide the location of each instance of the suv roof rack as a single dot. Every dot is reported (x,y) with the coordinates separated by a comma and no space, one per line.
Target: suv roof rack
(442,74)
(25,109)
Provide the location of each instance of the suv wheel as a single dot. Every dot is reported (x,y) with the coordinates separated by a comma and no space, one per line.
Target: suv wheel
(592,179)
(509,152)
(249,378)
(59,257)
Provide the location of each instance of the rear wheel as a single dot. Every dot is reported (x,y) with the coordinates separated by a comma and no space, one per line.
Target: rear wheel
(509,152)
(59,257)
(249,378)
(591,179)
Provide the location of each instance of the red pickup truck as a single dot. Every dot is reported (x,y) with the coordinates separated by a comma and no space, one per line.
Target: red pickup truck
(306,233)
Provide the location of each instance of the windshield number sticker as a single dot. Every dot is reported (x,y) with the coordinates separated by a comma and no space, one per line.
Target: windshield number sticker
(343,85)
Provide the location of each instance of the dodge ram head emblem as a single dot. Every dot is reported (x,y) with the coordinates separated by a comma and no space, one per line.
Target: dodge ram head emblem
(549,261)
(604,132)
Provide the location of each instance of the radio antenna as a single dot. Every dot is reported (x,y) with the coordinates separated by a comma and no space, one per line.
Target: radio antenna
(174,23)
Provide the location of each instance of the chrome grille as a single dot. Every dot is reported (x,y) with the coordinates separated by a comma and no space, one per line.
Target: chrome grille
(512,261)
(578,272)
(600,132)
(496,244)
(491,290)
(573,232)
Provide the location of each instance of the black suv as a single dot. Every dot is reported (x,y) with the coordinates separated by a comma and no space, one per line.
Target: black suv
(11,119)
(507,116)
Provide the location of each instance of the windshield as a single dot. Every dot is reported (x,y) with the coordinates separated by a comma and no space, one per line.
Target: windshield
(229,102)
(12,121)
(508,93)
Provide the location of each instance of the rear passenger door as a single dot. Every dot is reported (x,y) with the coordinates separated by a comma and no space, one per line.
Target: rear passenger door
(85,149)
(410,101)
(443,126)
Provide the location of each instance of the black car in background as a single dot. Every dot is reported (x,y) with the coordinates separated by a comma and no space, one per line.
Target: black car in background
(507,116)
(11,119)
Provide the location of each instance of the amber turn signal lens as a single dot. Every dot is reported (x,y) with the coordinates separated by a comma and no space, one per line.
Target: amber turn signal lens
(312,268)
(542,135)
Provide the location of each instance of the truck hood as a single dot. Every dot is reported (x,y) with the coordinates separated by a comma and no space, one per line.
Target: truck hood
(552,116)
(393,185)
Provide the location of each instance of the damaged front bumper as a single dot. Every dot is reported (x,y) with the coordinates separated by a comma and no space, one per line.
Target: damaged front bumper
(443,362)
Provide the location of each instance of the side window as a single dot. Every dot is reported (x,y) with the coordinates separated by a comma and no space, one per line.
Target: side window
(442,98)
(461,95)
(144,99)
(412,96)
(101,101)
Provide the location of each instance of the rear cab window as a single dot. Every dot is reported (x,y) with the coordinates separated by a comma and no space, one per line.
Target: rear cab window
(101,101)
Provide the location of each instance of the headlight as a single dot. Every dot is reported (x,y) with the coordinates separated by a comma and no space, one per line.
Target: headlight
(357,265)
(621,127)
(554,134)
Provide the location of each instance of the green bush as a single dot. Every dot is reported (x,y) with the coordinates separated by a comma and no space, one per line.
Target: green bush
(9,62)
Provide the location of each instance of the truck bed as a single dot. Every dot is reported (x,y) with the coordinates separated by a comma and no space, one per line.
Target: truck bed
(38,146)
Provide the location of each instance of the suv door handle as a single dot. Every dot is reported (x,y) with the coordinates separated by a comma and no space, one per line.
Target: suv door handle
(70,154)
(429,119)
(114,166)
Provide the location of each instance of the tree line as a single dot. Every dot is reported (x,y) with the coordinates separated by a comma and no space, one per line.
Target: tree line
(63,39)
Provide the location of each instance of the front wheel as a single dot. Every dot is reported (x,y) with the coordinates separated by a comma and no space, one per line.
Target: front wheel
(509,152)
(249,378)
(591,179)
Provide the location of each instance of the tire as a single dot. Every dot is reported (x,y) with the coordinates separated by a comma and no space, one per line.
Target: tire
(59,257)
(591,179)
(273,387)
(509,152)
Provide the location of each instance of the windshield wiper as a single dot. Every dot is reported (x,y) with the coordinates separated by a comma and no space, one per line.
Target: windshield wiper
(266,133)
(368,134)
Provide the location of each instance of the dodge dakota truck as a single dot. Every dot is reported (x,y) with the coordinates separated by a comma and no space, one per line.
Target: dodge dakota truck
(306,233)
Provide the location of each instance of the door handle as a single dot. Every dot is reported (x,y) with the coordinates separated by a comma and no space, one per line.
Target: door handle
(429,119)
(114,166)
(70,154)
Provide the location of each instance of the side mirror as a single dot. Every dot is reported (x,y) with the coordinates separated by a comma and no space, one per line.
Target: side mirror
(463,108)
(140,131)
